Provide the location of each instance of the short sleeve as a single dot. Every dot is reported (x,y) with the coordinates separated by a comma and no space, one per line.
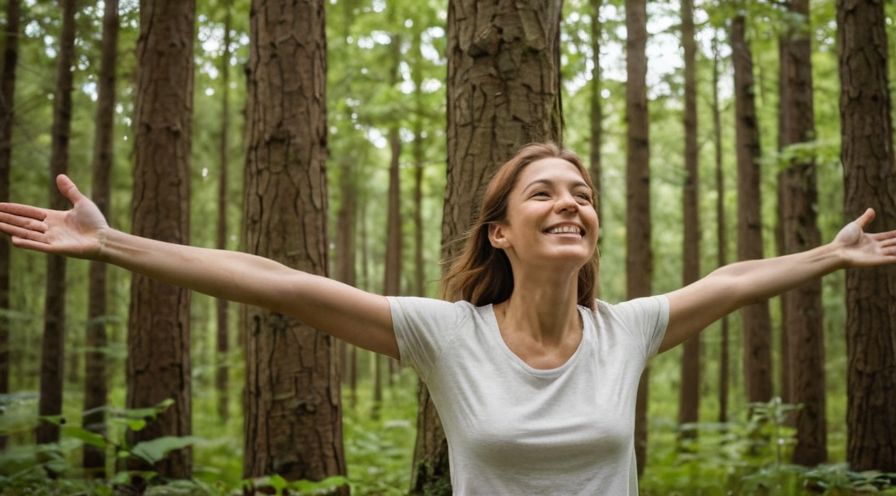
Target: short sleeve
(648,318)
(424,327)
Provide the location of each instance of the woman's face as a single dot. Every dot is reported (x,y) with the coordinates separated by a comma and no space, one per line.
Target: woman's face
(550,217)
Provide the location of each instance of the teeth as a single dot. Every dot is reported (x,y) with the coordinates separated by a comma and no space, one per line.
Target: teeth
(564,230)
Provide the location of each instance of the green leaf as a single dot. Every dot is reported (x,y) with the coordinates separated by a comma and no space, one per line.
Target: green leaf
(84,435)
(156,449)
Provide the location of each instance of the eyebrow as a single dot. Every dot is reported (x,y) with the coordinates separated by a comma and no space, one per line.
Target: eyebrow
(548,182)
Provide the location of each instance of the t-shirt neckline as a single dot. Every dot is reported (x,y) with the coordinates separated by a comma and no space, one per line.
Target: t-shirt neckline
(495,333)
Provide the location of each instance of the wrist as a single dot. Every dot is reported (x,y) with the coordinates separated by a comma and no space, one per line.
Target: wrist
(102,237)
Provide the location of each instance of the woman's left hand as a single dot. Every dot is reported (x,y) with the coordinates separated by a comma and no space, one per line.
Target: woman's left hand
(861,249)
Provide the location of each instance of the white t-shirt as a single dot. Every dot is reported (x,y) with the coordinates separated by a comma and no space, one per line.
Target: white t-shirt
(516,430)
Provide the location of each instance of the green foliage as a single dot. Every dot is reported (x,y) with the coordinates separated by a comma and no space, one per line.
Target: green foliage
(746,457)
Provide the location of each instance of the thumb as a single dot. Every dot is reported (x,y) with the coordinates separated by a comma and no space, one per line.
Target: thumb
(866,218)
(68,189)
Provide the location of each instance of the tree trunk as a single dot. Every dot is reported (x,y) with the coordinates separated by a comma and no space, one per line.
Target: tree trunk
(7,98)
(689,402)
(639,256)
(597,112)
(53,344)
(503,92)
(222,335)
(757,329)
(95,390)
(721,236)
(158,363)
(417,76)
(292,401)
(870,180)
(804,326)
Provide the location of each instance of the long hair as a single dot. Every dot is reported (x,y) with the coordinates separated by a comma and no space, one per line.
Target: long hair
(481,273)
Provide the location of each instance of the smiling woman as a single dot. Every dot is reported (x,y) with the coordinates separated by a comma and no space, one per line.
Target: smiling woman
(534,380)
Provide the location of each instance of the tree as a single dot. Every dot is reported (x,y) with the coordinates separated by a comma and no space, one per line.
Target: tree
(292,400)
(639,256)
(596,137)
(869,179)
(7,99)
(222,335)
(95,389)
(756,319)
(798,202)
(158,363)
(503,92)
(53,344)
(721,238)
(689,402)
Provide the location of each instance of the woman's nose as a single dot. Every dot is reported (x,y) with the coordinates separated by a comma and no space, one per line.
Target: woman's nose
(567,202)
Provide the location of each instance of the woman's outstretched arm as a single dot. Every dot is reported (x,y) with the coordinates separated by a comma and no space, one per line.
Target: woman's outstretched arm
(728,288)
(347,313)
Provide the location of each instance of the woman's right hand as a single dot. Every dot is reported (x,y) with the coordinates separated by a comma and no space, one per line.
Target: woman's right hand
(77,232)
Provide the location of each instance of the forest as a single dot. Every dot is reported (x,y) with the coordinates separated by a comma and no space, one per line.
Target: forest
(353,139)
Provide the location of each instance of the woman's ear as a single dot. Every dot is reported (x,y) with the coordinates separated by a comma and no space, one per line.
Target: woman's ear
(496,235)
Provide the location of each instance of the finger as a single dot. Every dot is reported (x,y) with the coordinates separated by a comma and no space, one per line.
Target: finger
(23,222)
(865,218)
(24,210)
(26,234)
(29,244)
(68,189)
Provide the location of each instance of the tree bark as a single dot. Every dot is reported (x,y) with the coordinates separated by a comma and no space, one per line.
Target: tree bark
(292,401)
(799,202)
(869,180)
(53,344)
(95,389)
(721,233)
(158,363)
(222,379)
(757,329)
(639,256)
(597,112)
(689,401)
(503,92)
(7,100)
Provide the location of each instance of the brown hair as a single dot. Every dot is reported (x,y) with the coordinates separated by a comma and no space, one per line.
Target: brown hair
(481,273)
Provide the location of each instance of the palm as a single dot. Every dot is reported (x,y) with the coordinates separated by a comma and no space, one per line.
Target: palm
(861,249)
(73,232)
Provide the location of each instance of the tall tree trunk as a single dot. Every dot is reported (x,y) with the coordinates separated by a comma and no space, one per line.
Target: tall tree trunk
(52,347)
(639,256)
(721,236)
(804,326)
(158,363)
(95,390)
(223,339)
(503,92)
(418,152)
(292,401)
(597,112)
(870,180)
(757,330)
(7,98)
(689,402)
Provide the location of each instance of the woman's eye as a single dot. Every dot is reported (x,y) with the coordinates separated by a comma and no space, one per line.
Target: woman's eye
(540,194)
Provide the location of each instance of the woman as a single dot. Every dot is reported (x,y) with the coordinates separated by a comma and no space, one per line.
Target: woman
(534,380)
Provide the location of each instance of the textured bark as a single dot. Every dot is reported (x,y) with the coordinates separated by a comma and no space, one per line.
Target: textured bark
(503,92)
(639,256)
(158,364)
(799,204)
(222,338)
(721,236)
(7,98)
(292,400)
(597,111)
(870,180)
(417,76)
(689,401)
(95,388)
(53,344)
(757,329)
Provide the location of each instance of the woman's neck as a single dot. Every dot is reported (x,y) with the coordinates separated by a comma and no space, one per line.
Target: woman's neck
(544,307)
